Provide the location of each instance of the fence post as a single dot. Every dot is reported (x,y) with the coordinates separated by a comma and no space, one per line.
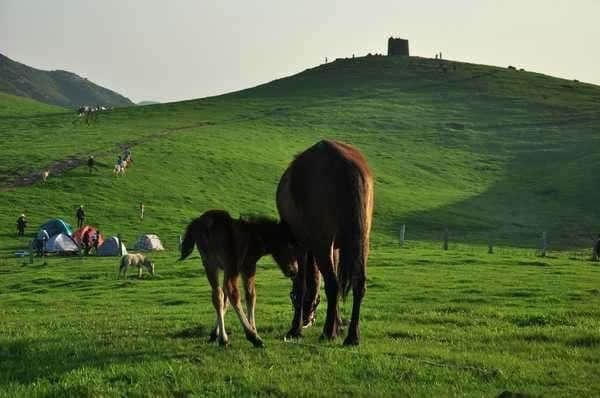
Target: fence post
(402,232)
(446,238)
(544,244)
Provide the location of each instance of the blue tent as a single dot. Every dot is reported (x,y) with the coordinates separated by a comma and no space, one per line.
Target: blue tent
(57,226)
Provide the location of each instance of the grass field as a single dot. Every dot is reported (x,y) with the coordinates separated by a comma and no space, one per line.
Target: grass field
(484,151)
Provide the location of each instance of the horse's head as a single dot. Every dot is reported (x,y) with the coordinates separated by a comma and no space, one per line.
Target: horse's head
(285,257)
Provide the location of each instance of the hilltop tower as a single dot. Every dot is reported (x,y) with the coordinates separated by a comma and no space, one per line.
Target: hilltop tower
(397,47)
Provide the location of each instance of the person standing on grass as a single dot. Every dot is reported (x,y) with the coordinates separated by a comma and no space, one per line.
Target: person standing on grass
(42,238)
(86,242)
(596,250)
(91,164)
(21,224)
(80,216)
(96,240)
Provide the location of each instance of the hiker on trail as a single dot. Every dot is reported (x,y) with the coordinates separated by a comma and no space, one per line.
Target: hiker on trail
(42,238)
(21,224)
(80,216)
(141,210)
(91,163)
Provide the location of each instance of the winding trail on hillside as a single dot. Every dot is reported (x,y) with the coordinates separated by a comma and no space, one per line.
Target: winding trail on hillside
(73,161)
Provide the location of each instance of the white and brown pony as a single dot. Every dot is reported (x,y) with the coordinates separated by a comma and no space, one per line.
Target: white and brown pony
(135,260)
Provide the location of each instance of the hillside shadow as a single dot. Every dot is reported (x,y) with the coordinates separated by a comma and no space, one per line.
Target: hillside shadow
(543,191)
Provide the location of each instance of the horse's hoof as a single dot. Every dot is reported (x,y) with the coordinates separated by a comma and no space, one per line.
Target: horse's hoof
(293,334)
(223,343)
(258,343)
(325,337)
(351,341)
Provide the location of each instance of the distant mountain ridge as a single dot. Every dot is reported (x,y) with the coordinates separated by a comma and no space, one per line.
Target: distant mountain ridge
(57,87)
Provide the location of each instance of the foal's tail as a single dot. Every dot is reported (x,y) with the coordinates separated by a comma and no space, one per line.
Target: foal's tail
(196,233)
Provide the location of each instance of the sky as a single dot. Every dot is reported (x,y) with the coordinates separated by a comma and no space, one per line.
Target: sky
(184,49)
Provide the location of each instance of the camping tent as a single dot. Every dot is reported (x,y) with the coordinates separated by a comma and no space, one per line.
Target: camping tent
(78,235)
(111,248)
(61,243)
(149,242)
(56,226)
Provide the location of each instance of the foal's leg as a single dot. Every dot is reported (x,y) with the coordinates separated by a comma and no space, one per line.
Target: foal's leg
(214,334)
(250,290)
(218,299)
(234,297)
(326,266)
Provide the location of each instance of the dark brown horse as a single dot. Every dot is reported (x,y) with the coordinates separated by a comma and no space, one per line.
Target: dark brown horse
(234,246)
(326,198)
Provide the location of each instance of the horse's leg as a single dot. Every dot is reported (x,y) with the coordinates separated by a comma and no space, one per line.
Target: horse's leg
(139,271)
(233,293)
(298,293)
(249,280)
(359,286)
(214,334)
(326,266)
(218,300)
(311,297)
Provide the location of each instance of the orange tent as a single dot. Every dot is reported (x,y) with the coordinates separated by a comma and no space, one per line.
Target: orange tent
(78,235)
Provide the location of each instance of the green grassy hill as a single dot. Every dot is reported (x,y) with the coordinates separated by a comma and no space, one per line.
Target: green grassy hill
(57,87)
(476,148)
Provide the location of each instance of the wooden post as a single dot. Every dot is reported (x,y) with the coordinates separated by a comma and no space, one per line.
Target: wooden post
(446,238)
(544,245)
(490,244)
(402,232)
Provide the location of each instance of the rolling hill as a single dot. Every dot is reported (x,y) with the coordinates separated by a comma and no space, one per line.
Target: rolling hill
(57,87)
(481,150)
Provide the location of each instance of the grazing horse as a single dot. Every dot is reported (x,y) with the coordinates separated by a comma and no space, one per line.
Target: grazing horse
(326,198)
(235,246)
(130,260)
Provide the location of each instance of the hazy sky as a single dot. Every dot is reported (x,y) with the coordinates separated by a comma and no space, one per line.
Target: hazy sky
(182,49)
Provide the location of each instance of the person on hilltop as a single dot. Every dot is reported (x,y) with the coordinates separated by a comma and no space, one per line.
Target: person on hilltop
(80,216)
(21,224)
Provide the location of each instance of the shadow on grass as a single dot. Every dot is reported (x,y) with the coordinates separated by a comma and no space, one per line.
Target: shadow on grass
(27,360)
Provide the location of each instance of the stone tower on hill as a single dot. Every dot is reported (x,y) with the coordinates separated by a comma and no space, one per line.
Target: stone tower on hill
(397,47)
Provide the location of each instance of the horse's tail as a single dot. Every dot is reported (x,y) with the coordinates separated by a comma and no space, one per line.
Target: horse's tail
(195,233)
(355,227)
